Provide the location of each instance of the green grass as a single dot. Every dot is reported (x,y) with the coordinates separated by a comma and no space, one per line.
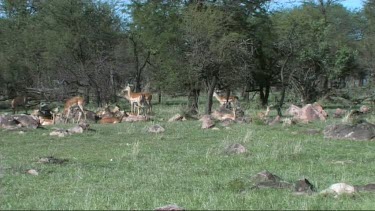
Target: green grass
(124,167)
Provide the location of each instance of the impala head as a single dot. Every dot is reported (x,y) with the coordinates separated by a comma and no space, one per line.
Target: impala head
(128,87)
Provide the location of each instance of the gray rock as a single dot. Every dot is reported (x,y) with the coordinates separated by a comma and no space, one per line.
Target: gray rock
(357,132)
(156,129)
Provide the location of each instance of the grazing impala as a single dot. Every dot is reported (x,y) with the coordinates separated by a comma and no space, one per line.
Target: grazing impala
(223,100)
(138,99)
(74,101)
(19,101)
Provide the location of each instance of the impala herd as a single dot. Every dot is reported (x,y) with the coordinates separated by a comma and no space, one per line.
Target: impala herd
(140,103)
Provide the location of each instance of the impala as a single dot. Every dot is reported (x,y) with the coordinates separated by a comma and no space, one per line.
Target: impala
(138,99)
(112,120)
(74,101)
(262,115)
(142,104)
(223,100)
(19,101)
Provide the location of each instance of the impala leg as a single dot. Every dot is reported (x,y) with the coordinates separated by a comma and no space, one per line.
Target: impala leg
(131,106)
(79,117)
(83,112)
(67,116)
(150,107)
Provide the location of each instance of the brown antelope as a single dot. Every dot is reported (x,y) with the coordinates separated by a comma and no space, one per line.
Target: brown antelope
(74,101)
(263,115)
(225,114)
(19,101)
(142,105)
(44,117)
(112,120)
(223,100)
(138,99)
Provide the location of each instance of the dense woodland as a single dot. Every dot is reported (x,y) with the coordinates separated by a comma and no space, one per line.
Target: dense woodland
(55,49)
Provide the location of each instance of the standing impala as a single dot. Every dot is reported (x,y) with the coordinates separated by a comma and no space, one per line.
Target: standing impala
(139,98)
(19,101)
(74,101)
(223,100)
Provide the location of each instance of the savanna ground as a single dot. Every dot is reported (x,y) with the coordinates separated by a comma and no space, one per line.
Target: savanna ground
(123,166)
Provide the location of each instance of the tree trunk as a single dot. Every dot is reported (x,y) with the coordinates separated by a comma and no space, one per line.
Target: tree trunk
(98,97)
(193,100)
(245,95)
(87,95)
(159,96)
(281,102)
(211,89)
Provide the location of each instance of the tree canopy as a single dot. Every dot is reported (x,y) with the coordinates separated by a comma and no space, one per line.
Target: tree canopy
(184,46)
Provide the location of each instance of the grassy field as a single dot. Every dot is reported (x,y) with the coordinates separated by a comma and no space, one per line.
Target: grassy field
(124,167)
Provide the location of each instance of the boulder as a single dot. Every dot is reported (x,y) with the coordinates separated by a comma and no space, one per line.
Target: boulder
(207,122)
(135,118)
(293,110)
(27,121)
(368,187)
(235,149)
(275,121)
(360,131)
(265,179)
(169,207)
(364,109)
(177,117)
(339,189)
(310,113)
(303,186)
(339,113)
(156,129)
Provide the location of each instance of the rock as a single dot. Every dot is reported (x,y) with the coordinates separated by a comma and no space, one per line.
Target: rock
(32,172)
(207,122)
(170,207)
(368,187)
(304,186)
(339,189)
(288,122)
(364,109)
(339,113)
(156,129)
(275,121)
(235,149)
(265,179)
(59,132)
(177,117)
(293,110)
(226,122)
(27,121)
(135,118)
(52,160)
(12,122)
(357,132)
(79,128)
(308,113)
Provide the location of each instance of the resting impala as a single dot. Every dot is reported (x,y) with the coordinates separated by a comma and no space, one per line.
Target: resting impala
(223,100)
(138,99)
(19,101)
(79,101)
(113,120)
